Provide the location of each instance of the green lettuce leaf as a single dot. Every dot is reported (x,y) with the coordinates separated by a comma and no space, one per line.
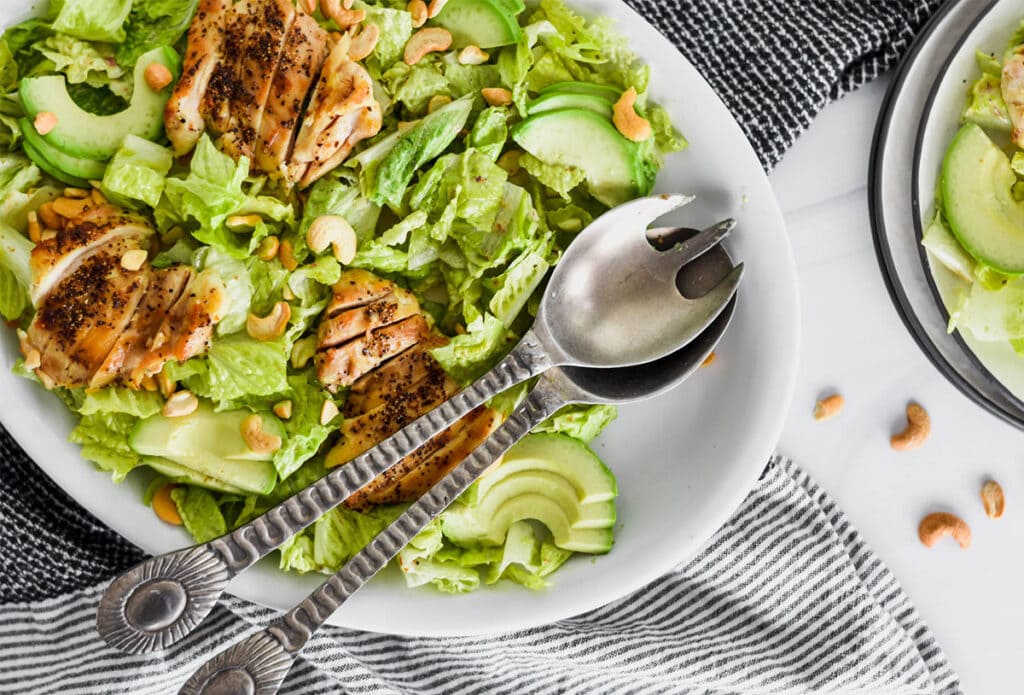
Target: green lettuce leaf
(584,422)
(418,146)
(666,137)
(395,29)
(93,20)
(104,440)
(419,566)
(517,284)
(238,284)
(471,354)
(305,433)
(236,368)
(490,132)
(13,296)
(114,399)
(153,23)
(199,512)
(559,178)
(992,315)
(137,172)
(85,63)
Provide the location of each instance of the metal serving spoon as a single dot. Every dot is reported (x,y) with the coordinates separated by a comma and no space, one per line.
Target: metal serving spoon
(259,663)
(610,269)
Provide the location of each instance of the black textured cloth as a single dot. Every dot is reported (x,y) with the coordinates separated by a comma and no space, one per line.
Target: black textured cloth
(775,63)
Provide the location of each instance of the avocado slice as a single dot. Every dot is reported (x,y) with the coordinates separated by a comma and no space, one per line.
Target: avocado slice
(183,474)
(483,23)
(980,208)
(568,100)
(589,88)
(75,167)
(88,135)
(552,478)
(210,444)
(616,169)
(50,168)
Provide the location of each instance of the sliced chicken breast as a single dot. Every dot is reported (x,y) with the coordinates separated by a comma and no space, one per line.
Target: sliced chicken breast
(394,377)
(122,364)
(357,288)
(414,475)
(342,365)
(81,319)
(302,55)
(346,325)
(341,113)
(184,119)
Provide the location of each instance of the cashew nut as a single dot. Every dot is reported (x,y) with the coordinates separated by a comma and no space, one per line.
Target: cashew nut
(509,161)
(938,524)
(48,234)
(364,42)
(34,230)
(164,506)
(342,16)
(496,96)
(75,193)
(48,216)
(919,426)
(157,76)
(473,55)
(236,222)
(435,7)
(627,121)
(303,351)
(437,101)
(134,259)
(267,250)
(333,231)
(180,403)
(33,359)
(256,438)
(709,360)
(828,407)
(424,41)
(992,498)
(166,384)
(69,207)
(283,410)
(45,121)
(98,197)
(420,13)
(270,326)
(328,411)
(309,6)
(286,255)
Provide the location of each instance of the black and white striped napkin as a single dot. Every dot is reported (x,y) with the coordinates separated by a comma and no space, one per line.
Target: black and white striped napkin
(785,599)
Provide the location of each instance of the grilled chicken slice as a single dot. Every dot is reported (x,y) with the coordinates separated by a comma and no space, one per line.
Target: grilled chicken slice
(361,433)
(184,119)
(58,257)
(357,288)
(1012,88)
(414,475)
(341,113)
(303,53)
(346,325)
(123,362)
(188,325)
(397,375)
(81,319)
(241,83)
(342,365)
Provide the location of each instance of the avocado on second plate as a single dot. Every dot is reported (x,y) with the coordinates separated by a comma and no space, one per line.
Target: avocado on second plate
(986,219)
(483,23)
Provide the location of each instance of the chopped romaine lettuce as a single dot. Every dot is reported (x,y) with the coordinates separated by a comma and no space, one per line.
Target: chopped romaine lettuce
(305,433)
(154,23)
(115,399)
(471,354)
(236,368)
(84,62)
(199,512)
(559,178)
(93,20)
(137,172)
(104,440)
(237,281)
(583,422)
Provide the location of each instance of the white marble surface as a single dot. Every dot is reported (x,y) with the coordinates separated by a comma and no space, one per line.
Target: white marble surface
(854,342)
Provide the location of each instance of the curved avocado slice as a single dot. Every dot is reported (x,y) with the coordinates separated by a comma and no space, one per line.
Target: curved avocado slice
(75,168)
(88,135)
(616,169)
(566,100)
(483,23)
(52,169)
(980,208)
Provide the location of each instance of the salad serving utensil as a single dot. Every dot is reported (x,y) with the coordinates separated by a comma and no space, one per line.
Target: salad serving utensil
(260,662)
(615,300)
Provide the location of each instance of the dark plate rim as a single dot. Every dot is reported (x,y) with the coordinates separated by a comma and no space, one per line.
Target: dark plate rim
(880,231)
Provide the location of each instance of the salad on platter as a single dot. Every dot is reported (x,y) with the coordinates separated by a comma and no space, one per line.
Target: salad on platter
(977,230)
(244,242)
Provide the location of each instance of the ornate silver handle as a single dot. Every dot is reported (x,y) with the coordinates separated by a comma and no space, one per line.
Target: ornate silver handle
(259,663)
(161,600)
